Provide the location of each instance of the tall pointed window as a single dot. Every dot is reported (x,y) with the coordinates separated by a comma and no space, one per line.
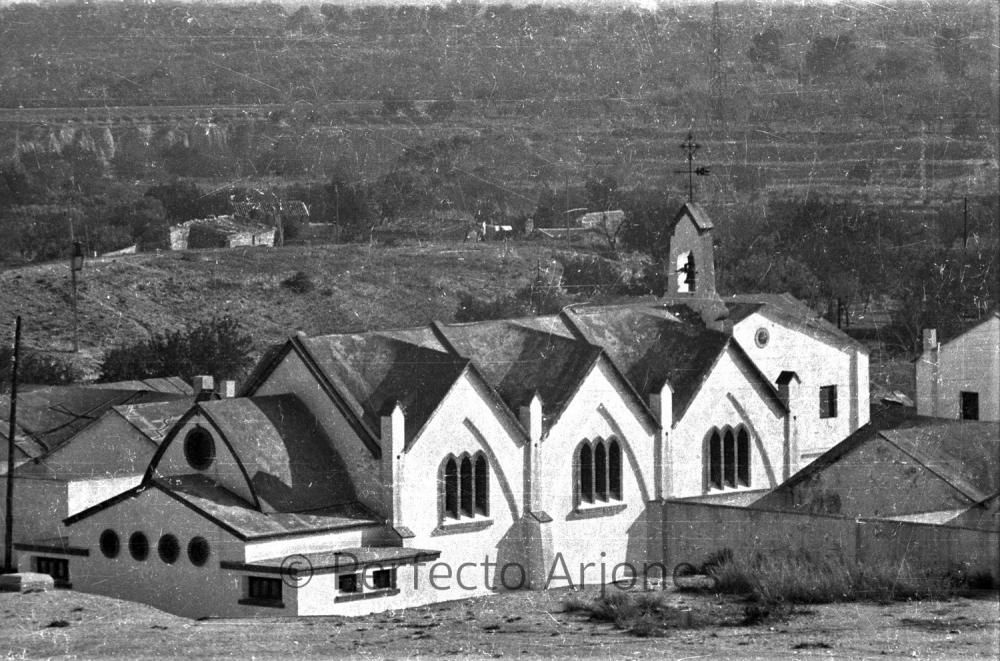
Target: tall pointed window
(451,488)
(685,273)
(599,471)
(728,458)
(615,470)
(465,486)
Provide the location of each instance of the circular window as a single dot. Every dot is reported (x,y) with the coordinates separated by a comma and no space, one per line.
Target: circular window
(198,551)
(110,544)
(169,549)
(138,546)
(761,337)
(199,448)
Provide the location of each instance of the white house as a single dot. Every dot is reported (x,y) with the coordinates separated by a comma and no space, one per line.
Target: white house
(960,378)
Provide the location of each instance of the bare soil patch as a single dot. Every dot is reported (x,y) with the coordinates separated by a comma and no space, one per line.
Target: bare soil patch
(66,624)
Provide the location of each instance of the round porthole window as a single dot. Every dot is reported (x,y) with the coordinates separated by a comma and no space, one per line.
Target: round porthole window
(110,544)
(138,546)
(199,448)
(198,551)
(169,549)
(761,337)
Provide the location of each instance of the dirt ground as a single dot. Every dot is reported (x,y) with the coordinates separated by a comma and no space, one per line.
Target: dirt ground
(66,624)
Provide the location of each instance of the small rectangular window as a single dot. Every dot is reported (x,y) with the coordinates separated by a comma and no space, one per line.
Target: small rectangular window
(264,589)
(348,583)
(57,568)
(384,579)
(970,405)
(828,402)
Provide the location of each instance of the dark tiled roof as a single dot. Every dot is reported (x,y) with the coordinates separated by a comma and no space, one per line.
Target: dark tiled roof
(650,347)
(519,360)
(154,419)
(964,454)
(239,516)
(290,461)
(53,415)
(374,371)
(169,384)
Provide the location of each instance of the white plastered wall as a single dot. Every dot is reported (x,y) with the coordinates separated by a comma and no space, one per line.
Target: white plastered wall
(727,397)
(817,364)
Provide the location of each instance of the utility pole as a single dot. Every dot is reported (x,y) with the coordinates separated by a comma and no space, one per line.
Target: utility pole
(965,223)
(8,550)
(718,73)
(75,264)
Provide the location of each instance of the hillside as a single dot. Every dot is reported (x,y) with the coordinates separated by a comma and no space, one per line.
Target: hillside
(357,287)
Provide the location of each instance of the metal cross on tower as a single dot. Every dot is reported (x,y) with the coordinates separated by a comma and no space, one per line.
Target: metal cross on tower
(690,147)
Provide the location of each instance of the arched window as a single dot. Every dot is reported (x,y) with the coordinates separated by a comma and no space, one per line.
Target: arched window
(482,486)
(615,470)
(586,474)
(728,458)
(715,460)
(743,457)
(685,273)
(466,484)
(599,471)
(451,488)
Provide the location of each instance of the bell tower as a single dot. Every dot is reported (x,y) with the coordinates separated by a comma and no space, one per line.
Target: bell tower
(690,266)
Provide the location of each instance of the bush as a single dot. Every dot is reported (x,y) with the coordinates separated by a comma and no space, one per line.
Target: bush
(640,613)
(803,578)
(36,369)
(300,283)
(217,347)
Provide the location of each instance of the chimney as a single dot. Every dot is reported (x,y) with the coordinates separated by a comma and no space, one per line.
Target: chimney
(227,389)
(930,339)
(393,442)
(204,387)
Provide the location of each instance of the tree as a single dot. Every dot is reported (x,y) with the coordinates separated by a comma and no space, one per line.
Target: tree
(348,206)
(766,47)
(828,54)
(602,194)
(217,347)
(647,219)
(36,369)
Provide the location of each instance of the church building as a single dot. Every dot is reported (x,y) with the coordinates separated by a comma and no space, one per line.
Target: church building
(363,472)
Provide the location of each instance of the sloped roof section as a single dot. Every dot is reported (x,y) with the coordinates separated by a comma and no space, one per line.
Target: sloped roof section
(519,360)
(51,416)
(290,461)
(786,309)
(650,347)
(374,371)
(697,214)
(174,385)
(154,419)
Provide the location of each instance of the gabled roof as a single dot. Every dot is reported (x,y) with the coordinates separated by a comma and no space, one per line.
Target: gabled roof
(962,453)
(650,347)
(288,458)
(236,515)
(49,417)
(519,360)
(373,372)
(969,327)
(697,214)
(788,310)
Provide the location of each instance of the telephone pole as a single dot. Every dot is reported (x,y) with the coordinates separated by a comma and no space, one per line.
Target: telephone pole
(717,70)
(8,544)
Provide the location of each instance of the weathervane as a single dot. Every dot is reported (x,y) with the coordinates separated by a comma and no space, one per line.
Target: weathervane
(690,147)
